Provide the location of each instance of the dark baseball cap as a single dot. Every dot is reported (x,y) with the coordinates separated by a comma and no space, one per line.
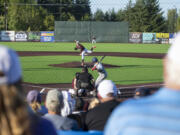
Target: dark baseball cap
(33,96)
(142,92)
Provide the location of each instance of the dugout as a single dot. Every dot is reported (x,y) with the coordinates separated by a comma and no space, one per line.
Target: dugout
(84,31)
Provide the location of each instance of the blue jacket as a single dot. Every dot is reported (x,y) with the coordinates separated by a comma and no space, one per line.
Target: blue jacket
(158,114)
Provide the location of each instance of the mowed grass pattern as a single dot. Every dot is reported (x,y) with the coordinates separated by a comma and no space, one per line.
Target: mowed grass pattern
(36,69)
(101,47)
(130,70)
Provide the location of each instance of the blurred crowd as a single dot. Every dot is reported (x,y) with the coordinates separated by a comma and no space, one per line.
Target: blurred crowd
(48,111)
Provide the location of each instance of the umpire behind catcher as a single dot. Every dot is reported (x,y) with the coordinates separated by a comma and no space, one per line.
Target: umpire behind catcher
(84,80)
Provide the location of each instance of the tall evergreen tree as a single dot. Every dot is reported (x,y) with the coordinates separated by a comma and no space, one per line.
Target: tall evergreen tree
(172,20)
(81,10)
(120,15)
(113,15)
(99,15)
(64,10)
(146,16)
(106,16)
(27,17)
(2,22)
(178,23)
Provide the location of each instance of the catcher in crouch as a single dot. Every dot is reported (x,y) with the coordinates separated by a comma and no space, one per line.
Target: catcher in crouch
(83,50)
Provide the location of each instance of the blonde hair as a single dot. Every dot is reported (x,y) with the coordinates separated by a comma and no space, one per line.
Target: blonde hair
(14,118)
(94,102)
(35,106)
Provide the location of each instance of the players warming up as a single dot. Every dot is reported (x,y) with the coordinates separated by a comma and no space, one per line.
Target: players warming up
(83,51)
(100,68)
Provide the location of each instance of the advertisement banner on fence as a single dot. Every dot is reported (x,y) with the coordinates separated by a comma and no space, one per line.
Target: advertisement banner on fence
(135,37)
(162,35)
(21,36)
(34,36)
(165,41)
(171,37)
(47,36)
(7,35)
(149,37)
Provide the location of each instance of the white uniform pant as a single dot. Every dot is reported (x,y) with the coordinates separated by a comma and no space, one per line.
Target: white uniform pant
(85,51)
(101,77)
(93,41)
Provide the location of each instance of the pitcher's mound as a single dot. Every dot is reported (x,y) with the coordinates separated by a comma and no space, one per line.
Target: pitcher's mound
(76,64)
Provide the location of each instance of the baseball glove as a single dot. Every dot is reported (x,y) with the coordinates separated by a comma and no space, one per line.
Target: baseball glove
(75,48)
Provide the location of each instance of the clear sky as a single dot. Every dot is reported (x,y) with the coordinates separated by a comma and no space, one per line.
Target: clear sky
(105,5)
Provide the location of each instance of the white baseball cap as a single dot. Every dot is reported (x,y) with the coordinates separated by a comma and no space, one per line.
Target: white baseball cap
(106,87)
(174,51)
(9,66)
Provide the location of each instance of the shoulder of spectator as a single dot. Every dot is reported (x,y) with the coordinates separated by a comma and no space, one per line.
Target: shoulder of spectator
(44,126)
(70,124)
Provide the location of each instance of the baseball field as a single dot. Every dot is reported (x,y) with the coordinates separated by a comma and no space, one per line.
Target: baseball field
(55,64)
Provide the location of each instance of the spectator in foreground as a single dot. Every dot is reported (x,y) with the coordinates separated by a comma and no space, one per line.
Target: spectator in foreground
(54,104)
(157,114)
(34,100)
(78,114)
(15,118)
(97,117)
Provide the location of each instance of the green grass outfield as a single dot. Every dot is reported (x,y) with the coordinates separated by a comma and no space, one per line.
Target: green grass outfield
(101,47)
(131,70)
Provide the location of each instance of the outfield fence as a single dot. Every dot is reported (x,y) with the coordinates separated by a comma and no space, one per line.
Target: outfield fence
(84,32)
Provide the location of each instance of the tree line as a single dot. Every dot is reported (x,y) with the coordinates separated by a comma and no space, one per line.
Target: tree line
(40,15)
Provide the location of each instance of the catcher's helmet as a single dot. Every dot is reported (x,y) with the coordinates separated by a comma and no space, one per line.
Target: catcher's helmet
(94,59)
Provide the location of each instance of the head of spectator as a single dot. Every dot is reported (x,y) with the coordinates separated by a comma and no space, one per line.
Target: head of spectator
(142,92)
(10,68)
(34,100)
(172,65)
(54,101)
(14,118)
(107,90)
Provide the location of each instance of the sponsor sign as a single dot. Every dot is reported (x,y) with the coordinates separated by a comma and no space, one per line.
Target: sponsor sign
(47,36)
(21,36)
(171,40)
(7,35)
(171,35)
(162,35)
(135,37)
(165,41)
(34,36)
(149,37)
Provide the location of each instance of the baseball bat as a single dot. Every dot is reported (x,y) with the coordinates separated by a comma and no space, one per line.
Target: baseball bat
(102,58)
